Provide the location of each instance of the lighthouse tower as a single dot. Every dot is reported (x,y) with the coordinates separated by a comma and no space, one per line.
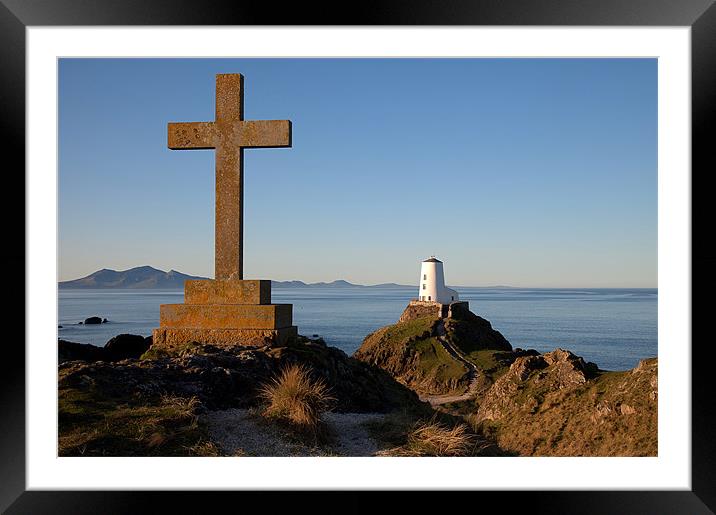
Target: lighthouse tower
(432,283)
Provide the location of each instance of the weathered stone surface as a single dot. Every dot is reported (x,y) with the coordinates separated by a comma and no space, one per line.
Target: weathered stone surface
(229,134)
(228,310)
(175,337)
(420,308)
(225,316)
(227,292)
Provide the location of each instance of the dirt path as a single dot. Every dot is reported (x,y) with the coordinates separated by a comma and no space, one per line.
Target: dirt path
(437,400)
(237,433)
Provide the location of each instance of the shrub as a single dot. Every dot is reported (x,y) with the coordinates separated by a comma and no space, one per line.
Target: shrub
(296,398)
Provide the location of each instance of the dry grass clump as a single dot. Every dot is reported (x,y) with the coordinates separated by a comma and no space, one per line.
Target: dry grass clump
(294,397)
(436,439)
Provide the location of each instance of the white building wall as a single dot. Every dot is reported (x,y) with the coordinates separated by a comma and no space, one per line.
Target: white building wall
(432,284)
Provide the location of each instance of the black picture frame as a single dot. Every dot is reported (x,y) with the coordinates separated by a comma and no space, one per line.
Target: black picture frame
(700,15)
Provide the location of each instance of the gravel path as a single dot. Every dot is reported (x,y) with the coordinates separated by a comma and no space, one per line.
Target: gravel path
(238,433)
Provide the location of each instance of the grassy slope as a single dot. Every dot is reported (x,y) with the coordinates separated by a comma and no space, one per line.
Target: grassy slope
(436,362)
(412,354)
(611,415)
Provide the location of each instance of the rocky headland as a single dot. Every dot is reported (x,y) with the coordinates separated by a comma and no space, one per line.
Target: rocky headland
(530,404)
(442,383)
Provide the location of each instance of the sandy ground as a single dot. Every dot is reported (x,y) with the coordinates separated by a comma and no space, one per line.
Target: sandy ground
(238,433)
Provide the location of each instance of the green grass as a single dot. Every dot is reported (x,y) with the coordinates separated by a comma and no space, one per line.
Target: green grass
(489,361)
(419,327)
(435,360)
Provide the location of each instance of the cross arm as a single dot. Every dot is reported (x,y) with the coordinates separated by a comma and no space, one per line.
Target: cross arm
(191,135)
(264,133)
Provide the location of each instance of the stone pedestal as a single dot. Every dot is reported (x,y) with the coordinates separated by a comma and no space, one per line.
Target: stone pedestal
(225,312)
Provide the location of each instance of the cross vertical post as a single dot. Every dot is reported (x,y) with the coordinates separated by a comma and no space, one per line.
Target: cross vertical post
(229,134)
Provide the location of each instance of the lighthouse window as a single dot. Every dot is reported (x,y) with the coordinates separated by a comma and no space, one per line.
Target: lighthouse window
(423,286)
(425,276)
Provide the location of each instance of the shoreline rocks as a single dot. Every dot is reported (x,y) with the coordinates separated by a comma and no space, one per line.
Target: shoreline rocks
(120,347)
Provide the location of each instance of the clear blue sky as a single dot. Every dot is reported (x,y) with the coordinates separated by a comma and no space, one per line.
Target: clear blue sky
(524,172)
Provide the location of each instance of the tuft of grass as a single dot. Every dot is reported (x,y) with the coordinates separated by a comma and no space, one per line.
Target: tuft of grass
(433,438)
(205,448)
(436,439)
(294,397)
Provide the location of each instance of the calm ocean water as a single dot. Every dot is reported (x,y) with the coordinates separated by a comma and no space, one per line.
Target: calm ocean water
(614,328)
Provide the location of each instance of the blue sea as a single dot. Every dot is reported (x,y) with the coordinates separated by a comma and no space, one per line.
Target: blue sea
(614,328)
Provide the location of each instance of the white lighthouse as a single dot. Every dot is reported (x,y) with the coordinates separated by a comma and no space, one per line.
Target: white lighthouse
(432,283)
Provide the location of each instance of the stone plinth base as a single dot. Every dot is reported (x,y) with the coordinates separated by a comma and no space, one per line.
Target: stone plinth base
(176,337)
(225,316)
(210,291)
(226,313)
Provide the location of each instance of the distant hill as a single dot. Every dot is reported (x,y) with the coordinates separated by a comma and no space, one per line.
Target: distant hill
(340,283)
(147,277)
(141,277)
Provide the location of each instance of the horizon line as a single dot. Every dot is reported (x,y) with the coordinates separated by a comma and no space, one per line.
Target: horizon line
(495,286)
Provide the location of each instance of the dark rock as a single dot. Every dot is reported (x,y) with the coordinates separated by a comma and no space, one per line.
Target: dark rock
(93,320)
(59,327)
(471,332)
(104,320)
(127,346)
(231,377)
(71,351)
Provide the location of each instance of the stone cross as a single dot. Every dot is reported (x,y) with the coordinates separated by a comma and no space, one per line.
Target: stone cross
(229,134)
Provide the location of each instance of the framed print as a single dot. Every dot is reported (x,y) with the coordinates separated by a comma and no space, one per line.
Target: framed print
(450,249)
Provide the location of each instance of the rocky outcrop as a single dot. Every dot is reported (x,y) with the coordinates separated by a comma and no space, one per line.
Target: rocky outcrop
(421,309)
(557,404)
(528,375)
(417,352)
(69,351)
(471,332)
(93,320)
(123,346)
(532,404)
(127,346)
(230,377)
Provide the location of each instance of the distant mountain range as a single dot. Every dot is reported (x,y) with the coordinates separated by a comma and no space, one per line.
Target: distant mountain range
(141,277)
(147,277)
